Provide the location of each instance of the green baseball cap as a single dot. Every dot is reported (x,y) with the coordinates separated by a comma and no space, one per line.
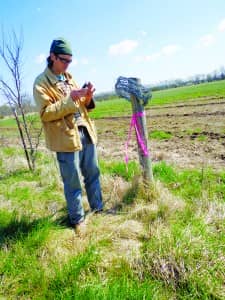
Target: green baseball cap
(61,46)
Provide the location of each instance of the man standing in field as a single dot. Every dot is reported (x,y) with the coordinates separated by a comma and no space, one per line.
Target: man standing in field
(69,131)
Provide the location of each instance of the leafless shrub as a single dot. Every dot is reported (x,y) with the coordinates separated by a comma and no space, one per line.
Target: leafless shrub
(11,88)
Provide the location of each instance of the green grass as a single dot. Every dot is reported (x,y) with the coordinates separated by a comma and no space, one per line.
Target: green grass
(202,138)
(192,184)
(111,108)
(8,122)
(193,131)
(188,265)
(181,251)
(10,151)
(25,277)
(181,254)
(120,169)
(160,135)
(210,90)
(120,107)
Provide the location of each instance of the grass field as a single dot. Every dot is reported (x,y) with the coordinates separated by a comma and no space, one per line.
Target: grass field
(162,241)
(200,91)
(166,242)
(119,107)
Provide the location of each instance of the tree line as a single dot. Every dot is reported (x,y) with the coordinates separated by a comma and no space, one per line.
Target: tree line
(193,80)
(174,83)
(29,105)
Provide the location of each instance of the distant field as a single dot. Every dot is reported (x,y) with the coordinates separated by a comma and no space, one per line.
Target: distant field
(122,107)
(7,122)
(214,89)
(119,106)
(10,122)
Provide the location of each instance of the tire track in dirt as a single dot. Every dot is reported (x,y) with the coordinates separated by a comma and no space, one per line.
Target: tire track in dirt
(212,135)
(188,105)
(196,114)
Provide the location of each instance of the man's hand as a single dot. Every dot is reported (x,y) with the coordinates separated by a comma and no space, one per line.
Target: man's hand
(90,93)
(77,94)
(86,92)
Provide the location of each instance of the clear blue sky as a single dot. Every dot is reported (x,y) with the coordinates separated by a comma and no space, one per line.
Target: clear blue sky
(152,40)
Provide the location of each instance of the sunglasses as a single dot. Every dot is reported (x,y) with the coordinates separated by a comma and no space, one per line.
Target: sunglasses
(64,60)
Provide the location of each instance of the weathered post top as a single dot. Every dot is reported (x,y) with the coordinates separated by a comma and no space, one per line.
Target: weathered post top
(126,86)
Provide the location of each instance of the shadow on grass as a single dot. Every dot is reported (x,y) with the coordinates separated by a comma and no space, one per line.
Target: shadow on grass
(128,199)
(130,196)
(14,228)
(62,220)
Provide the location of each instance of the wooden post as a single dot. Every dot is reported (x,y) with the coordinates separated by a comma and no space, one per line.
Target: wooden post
(144,160)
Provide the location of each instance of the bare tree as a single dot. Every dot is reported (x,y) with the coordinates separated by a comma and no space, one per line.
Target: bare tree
(11,56)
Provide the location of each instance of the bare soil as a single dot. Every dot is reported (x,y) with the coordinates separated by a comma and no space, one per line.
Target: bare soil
(197,135)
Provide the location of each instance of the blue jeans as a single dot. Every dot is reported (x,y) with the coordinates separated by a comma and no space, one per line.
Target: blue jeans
(70,163)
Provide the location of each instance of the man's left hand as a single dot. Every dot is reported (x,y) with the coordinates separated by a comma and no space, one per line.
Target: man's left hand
(89,94)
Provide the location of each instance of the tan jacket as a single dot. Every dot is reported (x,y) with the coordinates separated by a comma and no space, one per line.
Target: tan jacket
(57,114)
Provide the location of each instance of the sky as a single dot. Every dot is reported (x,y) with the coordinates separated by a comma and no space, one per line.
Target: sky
(152,40)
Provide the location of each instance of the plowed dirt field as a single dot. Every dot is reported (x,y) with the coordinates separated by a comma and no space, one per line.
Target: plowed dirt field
(196,135)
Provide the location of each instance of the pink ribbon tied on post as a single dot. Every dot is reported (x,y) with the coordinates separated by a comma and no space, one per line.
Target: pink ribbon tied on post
(134,124)
(125,87)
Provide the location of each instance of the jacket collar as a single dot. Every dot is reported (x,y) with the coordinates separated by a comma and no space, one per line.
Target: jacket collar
(53,79)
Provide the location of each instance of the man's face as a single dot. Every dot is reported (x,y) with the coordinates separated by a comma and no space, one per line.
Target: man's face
(60,62)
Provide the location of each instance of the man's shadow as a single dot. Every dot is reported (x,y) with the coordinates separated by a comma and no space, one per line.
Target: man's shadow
(21,228)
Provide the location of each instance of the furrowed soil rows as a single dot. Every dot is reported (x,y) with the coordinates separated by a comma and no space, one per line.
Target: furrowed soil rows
(197,135)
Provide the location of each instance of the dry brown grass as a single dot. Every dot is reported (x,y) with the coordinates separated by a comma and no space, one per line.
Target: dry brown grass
(121,232)
(14,163)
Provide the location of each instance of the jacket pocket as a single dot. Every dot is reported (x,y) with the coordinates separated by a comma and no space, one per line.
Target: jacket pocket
(67,126)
